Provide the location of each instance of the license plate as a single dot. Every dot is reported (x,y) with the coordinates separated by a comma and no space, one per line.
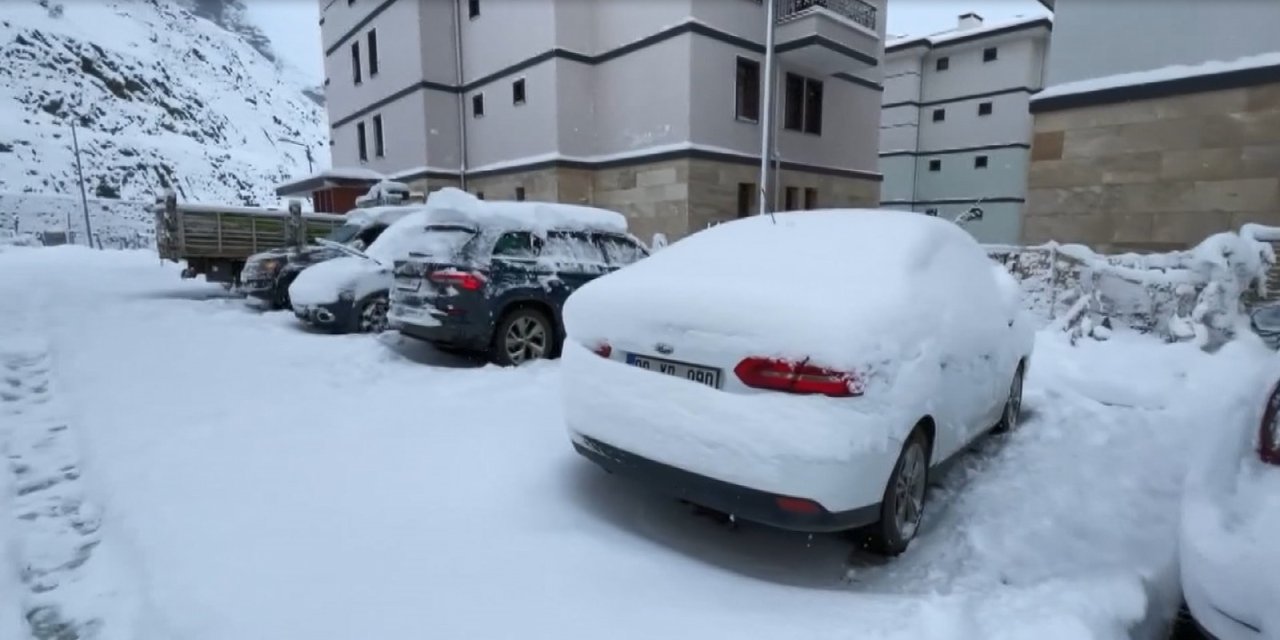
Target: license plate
(691,372)
(408,284)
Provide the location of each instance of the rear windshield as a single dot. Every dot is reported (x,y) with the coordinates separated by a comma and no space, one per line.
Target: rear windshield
(345,233)
(620,250)
(442,242)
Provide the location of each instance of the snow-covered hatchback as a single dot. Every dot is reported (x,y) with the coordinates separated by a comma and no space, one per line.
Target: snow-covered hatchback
(807,373)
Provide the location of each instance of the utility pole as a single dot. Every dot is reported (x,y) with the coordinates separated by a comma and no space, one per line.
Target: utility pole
(84,199)
(766,121)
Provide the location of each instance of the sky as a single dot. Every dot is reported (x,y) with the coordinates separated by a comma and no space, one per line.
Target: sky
(293,25)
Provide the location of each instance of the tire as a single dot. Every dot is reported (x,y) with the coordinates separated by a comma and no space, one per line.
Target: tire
(903,501)
(1011,416)
(523,335)
(371,315)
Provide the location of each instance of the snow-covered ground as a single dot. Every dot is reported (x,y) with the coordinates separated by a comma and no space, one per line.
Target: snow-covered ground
(251,479)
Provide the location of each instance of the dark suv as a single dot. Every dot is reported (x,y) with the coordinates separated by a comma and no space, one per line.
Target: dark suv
(500,291)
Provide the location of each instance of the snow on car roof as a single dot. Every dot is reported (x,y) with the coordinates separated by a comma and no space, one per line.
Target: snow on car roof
(450,205)
(385,214)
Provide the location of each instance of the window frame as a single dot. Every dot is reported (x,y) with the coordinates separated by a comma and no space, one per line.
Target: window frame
(371,43)
(798,114)
(746,193)
(477,105)
(379,140)
(362,141)
(790,198)
(990,54)
(988,106)
(740,100)
(473,9)
(810,198)
(519,92)
(357,71)
(942,64)
(935,165)
(520,194)
(939,115)
(981,162)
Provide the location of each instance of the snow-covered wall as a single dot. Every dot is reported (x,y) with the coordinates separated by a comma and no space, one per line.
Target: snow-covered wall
(117,224)
(164,93)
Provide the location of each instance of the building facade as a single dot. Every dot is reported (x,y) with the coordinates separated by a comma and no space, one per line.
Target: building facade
(955,126)
(650,108)
(1153,142)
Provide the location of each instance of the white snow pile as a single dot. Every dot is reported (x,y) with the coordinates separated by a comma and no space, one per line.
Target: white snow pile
(161,98)
(1162,74)
(456,206)
(1181,295)
(116,224)
(826,271)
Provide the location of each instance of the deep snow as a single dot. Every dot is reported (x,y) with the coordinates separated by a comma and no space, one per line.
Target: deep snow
(259,480)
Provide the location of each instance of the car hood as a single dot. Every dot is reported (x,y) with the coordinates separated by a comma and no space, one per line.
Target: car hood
(327,281)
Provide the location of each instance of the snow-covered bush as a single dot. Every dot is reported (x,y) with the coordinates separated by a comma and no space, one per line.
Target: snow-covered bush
(1182,295)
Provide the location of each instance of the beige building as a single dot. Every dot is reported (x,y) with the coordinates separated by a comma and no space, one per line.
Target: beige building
(650,108)
(1176,138)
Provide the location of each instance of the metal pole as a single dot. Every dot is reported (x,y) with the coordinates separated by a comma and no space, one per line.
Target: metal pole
(766,121)
(310,166)
(84,199)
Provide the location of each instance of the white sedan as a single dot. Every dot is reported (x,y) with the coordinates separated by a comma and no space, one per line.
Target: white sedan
(1230,543)
(807,371)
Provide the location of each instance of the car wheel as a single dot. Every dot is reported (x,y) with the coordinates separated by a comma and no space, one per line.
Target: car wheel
(1012,413)
(903,502)
(523,335)
(372,317)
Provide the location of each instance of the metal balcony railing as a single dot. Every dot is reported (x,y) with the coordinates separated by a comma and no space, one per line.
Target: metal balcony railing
(858,11)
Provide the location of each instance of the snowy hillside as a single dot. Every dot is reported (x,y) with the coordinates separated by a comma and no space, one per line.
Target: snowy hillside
(181,93)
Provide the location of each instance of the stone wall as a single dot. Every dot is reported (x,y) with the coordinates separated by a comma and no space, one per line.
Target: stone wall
(673,197)
(1155,174)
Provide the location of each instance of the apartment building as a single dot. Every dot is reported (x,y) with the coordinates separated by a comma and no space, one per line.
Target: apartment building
(1159,125)
(955,128)
(650,108)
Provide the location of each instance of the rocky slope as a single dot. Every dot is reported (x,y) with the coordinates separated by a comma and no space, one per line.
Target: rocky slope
(181,94)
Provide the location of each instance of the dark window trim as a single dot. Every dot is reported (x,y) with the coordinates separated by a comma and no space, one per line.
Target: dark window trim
(995,54)
(935,165)
(371,43)
(989,106)
(939,115)
(362,141)
(477,105)
(807,119)
(520,96)
(379,141)
(739,61)
(943,152)
(357,71)
(695,28)
(942,64)
(981,162)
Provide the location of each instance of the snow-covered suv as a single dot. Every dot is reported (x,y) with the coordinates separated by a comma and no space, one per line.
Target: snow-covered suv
(491,277)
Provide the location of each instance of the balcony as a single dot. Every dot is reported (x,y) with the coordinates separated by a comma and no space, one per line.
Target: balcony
(828,36)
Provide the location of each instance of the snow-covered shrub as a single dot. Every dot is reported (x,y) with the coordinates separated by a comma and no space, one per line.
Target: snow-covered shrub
(659,241)
(1180,295)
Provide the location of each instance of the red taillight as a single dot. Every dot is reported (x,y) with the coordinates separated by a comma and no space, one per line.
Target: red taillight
(798,505)
(604,350)
(1269,431)
(460,279)
(797,377)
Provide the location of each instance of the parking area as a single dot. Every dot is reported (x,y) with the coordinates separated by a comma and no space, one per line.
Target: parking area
(245,477)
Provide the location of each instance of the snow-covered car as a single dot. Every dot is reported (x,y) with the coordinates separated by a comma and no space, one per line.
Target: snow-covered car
(491,277)
(807,373)
(267,275)
(348,293)
(1228,553)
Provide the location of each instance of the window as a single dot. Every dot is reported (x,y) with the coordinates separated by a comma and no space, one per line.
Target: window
(990,54)
(810,198)
(519,194)
(574,252)
(790,199)
(473,9)
(477,105)
(379,147)
(350,2)
(984,108)
(746,193)
(939,115)
(943,64)
(361,142)
(517,91)
(748,105)
(980,162)
(804,104)
(620,251)
(355,62)
(935,165)
(373,52)
(479,195)
(520,245)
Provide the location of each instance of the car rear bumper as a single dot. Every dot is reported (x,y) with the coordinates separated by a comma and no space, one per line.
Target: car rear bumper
(743,502)
(441,330)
